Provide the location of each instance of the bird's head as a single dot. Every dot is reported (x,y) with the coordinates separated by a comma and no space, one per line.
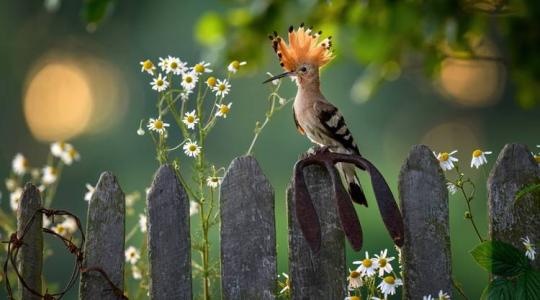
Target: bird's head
(303,55)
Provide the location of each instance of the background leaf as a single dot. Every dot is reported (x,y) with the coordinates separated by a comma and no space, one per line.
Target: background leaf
(500,258)
(528,286)
(499,289)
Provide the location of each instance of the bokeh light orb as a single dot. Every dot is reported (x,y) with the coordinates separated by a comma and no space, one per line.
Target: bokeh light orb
(57,101)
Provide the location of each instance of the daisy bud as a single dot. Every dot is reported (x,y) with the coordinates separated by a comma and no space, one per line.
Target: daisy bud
(140,131)
(467,215)
(211,81)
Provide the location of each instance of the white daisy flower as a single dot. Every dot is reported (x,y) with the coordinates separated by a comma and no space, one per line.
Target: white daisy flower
(46,221)
(136,272)
(175,65)
(89,192)
(202,67)
(452,188)
(223,110)
(147,66)
(159,83)
(142,222)
(443,296)
(131,198)
(384,262)
(355,280)
(70,155)
(428,297)
(157,125)
(479,158)
(11,184)
(19,164)
(536,158)
(287,284)
(446,160)
(275,81)
(189,80)
(58,148)
(367,266)
(374,298)
(213,181)
(70,224)
(211,82)
(190,119)
(184,95)
(60,229)
(529,247)
(15,198)
(193,208)
(234,66)
(222,88)
(163,64)
(50,175)
(388,285)
(191,149)
(132,255)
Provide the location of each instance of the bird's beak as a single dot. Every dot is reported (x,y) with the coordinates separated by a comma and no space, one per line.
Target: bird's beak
(280,76)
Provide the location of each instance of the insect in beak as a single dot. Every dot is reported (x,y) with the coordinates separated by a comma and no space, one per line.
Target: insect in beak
(286,74)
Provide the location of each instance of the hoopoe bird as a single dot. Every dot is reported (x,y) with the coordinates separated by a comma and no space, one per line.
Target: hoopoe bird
(316,117)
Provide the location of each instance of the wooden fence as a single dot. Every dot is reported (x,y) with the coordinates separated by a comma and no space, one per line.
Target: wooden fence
(248,237)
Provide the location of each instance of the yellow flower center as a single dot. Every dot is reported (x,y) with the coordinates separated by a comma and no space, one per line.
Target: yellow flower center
(444,156)
(477,153)
(537,158)
(148,65)
(211,81)
(72,153)
(60,229)
(52,171)
(132,254)
(367,263)
(214,179)
(354,298)
(190,119)
(382,262)
(224,109)
(354,274)
(222,87)
(389,279)
(192,148)
(158,124)
(159,82)
(189,79)
(174,65)
(235,64)
(199,68)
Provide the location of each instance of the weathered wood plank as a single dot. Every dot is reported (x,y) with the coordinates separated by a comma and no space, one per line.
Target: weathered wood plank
(319,275)
(511,219)
(169,243)
(104,246)
(30,258)
(248,234)
(424,205)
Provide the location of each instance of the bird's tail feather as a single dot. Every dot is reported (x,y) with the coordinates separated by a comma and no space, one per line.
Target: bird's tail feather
(355,189)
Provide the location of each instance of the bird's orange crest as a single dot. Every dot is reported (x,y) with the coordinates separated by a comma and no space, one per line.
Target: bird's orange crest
(303,47)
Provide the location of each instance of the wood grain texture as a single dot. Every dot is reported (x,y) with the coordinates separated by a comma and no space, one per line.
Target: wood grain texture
(169,243)
(511,219)
(424,205)
(30,258)
(319,275)
(104,246)
(248,234)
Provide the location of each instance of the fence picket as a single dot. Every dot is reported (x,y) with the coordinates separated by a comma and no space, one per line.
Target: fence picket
(424,205)
(511,219)
(248,234)
(104,247)
(317,275)
(169,243)
(30,258)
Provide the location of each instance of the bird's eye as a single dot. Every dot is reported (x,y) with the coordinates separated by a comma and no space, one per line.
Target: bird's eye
(303,69)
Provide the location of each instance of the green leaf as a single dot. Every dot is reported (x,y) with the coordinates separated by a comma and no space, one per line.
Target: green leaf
(528,286)
(532,188)
(95,11)
(500,258)
(210,29)
(499,289)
